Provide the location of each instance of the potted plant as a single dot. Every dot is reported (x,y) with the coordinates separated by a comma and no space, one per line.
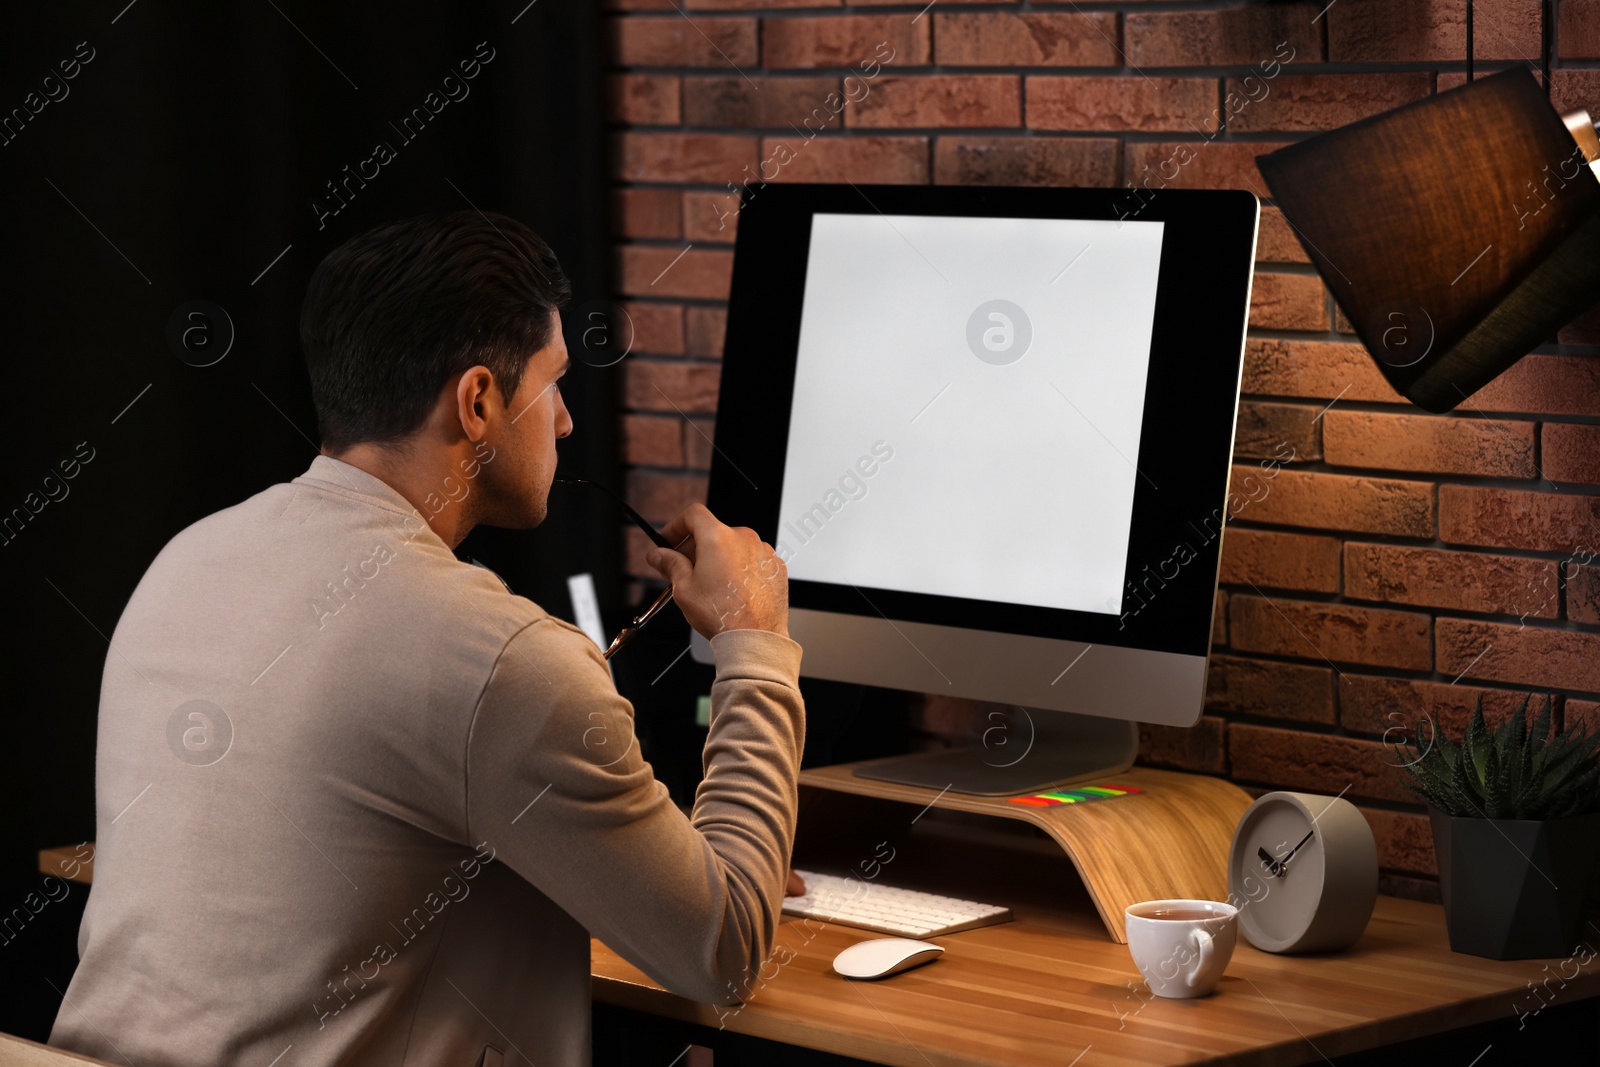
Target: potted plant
(1516,829)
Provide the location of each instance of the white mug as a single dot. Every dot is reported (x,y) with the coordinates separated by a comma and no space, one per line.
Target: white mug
(1181,946)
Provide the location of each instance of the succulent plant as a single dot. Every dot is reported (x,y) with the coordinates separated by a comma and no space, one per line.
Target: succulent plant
(1513,773)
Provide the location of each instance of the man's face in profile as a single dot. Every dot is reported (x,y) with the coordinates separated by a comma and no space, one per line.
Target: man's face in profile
(516,481)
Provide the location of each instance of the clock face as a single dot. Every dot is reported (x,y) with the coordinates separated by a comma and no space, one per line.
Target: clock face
(1276,872)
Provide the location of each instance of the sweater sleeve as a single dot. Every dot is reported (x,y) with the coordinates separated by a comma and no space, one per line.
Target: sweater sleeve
(556,785)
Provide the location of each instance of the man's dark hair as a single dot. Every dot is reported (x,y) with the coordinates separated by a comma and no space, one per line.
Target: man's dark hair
(393,314)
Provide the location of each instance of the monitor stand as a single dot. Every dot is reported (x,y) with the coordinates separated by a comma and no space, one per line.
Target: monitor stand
(1018,750)
(1169,839)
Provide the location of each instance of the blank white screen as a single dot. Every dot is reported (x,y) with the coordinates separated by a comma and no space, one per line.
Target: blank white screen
(1011,483)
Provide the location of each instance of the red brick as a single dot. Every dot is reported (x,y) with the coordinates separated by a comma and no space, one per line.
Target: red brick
(1432,444)
(1276,241)
(1583,588)
(1338,633)
(1026,161)
(1275,560)
(698,434)
(634,545)
(717,158)
(846,41)
(1581,714)
(1401,710)
(652,440)
(1318,101)
(1026,39)
(1264,429)
(1404,840)
(657,328)
(670,387)
(886,160)
(1431,30)
(1197,164)
(1578,30)
(658,497)
(951,719)
(1517,518)
(1585,329)
(1542,385)
(1256,35)
(1509,30)
(1219,619)
(1117,102)
(1571,452)
(644,99)
(1445,80)
(1201,748)
(940,100)
(1573,89)
(1407,887)
(646,213)
(812,103)
(1335,502)
(639,592)
(709,218)
(1437,578)
(1314,763)
(647,270)
(1269,688)
(755,5)
(1288,302)
(676,41)
(1341,321)
(704,328)
(1527,655)
(1318,369)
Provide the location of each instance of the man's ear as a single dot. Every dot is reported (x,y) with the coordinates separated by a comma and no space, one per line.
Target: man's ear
(476,395)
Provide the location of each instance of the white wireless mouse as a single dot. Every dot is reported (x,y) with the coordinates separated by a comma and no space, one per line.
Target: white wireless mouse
(883,956)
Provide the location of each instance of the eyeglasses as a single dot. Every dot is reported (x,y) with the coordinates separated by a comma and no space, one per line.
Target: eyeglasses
(655,535)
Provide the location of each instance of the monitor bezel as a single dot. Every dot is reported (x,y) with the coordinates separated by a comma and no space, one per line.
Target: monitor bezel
(1206,269)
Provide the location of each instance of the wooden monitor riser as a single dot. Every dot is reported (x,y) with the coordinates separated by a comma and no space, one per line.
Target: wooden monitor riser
(1171,840)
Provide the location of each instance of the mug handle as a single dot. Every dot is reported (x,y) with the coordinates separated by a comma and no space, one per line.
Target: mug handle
(1204,942)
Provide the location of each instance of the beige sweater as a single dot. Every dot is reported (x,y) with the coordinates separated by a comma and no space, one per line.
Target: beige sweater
(357,803)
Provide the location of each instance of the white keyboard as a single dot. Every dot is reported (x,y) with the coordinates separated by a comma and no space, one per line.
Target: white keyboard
(887,909)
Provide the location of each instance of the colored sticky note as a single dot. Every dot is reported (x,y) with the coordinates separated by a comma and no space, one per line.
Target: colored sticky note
(1077,795)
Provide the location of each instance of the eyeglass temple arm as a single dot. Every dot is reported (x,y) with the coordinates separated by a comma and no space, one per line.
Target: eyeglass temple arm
(638,623)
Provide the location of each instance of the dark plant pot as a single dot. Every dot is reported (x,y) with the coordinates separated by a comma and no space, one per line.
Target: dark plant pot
(1514,889)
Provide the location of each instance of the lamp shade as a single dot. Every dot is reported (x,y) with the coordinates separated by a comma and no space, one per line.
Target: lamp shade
(1456,232)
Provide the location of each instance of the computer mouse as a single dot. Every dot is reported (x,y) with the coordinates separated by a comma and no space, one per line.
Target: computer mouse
(883,956)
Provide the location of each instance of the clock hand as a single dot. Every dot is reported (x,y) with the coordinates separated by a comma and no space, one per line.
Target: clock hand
(1285,861)
(1277,867)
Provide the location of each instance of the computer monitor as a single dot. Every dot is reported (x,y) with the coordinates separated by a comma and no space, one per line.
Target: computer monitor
(990,432)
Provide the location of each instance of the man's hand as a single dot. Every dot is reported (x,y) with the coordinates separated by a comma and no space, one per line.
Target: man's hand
(723,577)
(796,886)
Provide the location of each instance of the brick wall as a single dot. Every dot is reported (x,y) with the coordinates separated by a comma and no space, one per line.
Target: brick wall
(1403,564)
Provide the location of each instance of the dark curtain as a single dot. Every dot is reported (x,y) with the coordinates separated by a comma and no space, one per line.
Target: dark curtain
(161,157)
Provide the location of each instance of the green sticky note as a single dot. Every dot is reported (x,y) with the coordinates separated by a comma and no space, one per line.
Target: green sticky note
(702,711)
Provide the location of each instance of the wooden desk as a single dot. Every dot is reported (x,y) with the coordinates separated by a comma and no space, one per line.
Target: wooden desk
(1052,985)
(20,1052)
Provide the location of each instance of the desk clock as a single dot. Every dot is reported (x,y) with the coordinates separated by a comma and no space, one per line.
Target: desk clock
(1303,871)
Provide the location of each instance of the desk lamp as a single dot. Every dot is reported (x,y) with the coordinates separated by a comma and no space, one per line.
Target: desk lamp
(1456,232)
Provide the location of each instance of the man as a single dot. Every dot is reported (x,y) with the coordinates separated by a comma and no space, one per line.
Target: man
(357,803)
